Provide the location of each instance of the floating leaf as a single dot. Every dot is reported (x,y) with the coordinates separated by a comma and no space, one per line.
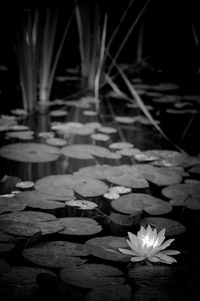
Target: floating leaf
(56,141)
(82,204)
(25,184)
(107,130)
(29,152)
(79,226)
(89,113)
(121,219)
(11,204)
(135,203)
(85,151)
(127,178)
(36,199)
(100,137)
(62,186)
(6,247)
(58,113)
(121,145)
(92,275)
(172,227)
(56,254)
(186,194)
(124,119)
(107,247)
(195,169)
(28,216)
(19,283)
(110,293)
(94,171)
(22,135)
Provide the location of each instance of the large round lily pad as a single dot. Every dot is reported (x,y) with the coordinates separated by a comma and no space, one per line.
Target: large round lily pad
(79,226)
(30,152)
(137,202)
(92,275)
(28,216)
(110,293)
(29,229)
(36,199)
(85,151)
(62,186)
(11,205)
(107,247)
(56,254)
(172,227)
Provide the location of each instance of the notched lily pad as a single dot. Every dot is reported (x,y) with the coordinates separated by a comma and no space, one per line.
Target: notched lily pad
(107,247)
(57,254)
(28,216)
(35,199)
(30,152)
(135,203)
(79,226)
(172,227)
(186,194)
(92,275)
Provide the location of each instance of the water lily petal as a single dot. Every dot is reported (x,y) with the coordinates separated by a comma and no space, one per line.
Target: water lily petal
(171,252)
(161,236)
(133,238)
(128,252)
(137,258)
(153,259)
(165,258)
(166,244)
(134,246)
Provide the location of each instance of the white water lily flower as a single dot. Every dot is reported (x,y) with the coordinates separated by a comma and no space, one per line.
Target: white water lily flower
(148,244)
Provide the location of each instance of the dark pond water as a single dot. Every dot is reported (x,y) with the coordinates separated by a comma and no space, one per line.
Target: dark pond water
(44,273)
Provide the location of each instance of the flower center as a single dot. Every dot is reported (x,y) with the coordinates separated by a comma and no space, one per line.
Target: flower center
(149,241)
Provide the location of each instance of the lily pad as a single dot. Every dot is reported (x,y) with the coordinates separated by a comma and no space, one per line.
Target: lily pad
(94,171)
(110,293)
(127,178)
(92,275)
(62,186)
(121,145)
(85,151)
(79,226)
(11,204)
(135,203)
(100,137)
(107,130)
(186,194)
(160,176)
(36,199)
(28,216)
(56,254)
(56,141)
(107,247)
(6,247)
(19,283)
(30,152)
(172,227)
(82,204)
(29,229)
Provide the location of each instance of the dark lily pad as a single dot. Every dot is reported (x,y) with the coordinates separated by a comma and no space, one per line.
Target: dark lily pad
(147,272)
(28,216)
(79,226)
(56,254)
(121,219)
(195,169)
(82,204)
(186,194)
(6,247)
(135,203)
(106,247)
(62,186)
(19,283)
(36,199)
(11,205)
(172,227)
(110,293)
(29,229)
(92,275)
(30,152)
